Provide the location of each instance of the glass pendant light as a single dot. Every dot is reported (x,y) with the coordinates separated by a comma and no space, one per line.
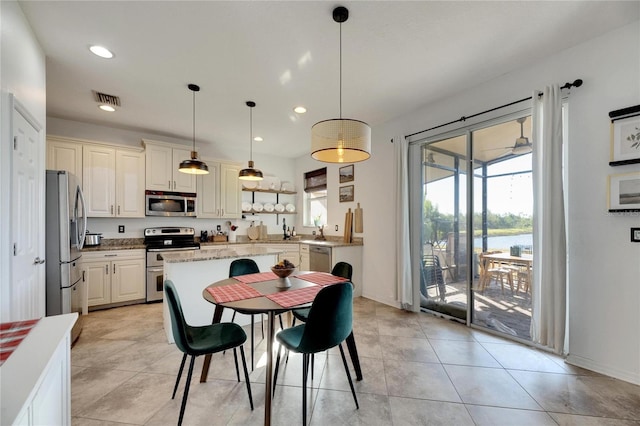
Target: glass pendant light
(250,173)
(194,166)
(341,140)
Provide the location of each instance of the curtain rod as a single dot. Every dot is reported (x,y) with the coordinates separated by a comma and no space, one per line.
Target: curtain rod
(576,83)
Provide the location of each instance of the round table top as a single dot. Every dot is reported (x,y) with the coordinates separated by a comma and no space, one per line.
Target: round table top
(262,304)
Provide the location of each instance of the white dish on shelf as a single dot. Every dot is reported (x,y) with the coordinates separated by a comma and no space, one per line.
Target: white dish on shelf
(279,207)
(250,184)
(257,207)
(246,207)
(290,208)
(268,207)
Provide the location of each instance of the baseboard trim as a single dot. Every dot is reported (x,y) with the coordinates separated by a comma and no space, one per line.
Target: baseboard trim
(589,364)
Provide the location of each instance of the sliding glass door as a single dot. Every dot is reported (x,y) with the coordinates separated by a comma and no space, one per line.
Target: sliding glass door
(482,276)
(443,283)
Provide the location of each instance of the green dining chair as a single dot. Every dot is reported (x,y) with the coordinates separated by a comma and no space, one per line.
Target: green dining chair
(328,324)
(202,340)
(245,267)
(340,269)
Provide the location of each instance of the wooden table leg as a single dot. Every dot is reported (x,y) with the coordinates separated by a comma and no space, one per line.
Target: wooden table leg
(353,352)
(217,316)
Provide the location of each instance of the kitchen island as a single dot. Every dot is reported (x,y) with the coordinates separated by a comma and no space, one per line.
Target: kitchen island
(192,271)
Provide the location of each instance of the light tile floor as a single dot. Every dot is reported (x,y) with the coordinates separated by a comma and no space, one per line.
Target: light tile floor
(418,370)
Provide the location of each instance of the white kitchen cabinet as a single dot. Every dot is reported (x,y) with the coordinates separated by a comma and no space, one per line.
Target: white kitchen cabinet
(63,154)
(230,195)
(162,165)
(218,192)
(114,276)
(304,257)
(130,166)
(113,181)
(99,180)
(36,378)
(290,252)
(98,281)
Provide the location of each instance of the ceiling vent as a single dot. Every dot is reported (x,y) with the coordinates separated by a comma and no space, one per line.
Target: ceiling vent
(103,98)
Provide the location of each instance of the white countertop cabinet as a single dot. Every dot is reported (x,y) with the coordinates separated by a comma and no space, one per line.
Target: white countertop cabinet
(36,378)
(113,277)
(192,271)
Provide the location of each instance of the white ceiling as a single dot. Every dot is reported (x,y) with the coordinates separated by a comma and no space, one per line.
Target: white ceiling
(397,57)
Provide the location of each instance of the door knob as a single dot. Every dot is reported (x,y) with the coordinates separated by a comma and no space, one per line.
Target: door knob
(38,261)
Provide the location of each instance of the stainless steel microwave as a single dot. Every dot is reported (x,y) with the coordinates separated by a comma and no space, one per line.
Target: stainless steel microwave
(163,203)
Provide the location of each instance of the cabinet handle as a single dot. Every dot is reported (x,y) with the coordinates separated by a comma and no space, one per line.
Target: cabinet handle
(222,212)
(83,279)
(169,184)
(110,255)
(114,268)
(106,269)
(118,210)
(174,185)
(111,208)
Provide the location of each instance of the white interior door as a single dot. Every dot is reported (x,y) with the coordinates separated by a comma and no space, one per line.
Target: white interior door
(27,224)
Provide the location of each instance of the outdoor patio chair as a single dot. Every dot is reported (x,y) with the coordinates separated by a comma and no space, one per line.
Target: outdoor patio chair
(433,275)
(489,271)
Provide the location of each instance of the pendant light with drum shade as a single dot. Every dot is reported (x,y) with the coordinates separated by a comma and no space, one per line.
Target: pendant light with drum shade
(250,173)
(341,140)
(194,166)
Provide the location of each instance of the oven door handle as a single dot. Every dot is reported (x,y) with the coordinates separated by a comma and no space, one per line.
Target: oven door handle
(154,269)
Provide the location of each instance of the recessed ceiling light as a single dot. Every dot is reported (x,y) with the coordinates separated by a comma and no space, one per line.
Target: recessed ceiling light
(300,110)
(258,139)
(108,108)
(103,52)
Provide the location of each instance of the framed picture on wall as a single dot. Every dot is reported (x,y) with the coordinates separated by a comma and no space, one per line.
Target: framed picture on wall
(625,139)
(346,174)
(346,193)
(624,192)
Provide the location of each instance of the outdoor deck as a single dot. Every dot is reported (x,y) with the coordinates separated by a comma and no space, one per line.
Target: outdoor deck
(506,312)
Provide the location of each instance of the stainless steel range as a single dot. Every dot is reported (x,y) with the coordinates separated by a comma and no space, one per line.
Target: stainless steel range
(159,241)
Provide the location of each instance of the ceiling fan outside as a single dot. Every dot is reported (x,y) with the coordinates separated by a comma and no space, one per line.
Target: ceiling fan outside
(522,144)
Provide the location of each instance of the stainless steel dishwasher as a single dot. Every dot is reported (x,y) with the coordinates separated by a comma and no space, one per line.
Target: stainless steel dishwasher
(320,258)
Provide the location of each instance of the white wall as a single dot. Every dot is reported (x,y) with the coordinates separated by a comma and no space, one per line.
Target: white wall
(22,73)
(604,267)
(271,165)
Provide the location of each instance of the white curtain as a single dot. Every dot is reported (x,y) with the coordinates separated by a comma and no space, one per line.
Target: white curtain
(549,301)
(403,255)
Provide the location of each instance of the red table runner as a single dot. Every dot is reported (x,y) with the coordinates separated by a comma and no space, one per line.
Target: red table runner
(233,292)
(290,298)
(11,334)
(321,278)
(256,278)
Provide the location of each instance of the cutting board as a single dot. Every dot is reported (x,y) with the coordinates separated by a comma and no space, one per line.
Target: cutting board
(357,221)
(348,222)
(253,233)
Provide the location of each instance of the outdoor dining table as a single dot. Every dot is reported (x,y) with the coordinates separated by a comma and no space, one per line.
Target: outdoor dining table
(525,260)
(256,297)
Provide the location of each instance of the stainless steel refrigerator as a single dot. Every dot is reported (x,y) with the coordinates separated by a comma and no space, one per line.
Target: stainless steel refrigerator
(66,227)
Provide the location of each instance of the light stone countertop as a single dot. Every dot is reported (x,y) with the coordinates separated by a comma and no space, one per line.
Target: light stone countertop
(138,243)
(213,254)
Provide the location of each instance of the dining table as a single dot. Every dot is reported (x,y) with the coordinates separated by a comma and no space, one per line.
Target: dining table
(265,293)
